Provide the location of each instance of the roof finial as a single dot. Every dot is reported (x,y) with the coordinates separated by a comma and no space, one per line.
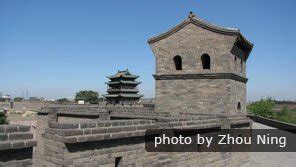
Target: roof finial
(191,15)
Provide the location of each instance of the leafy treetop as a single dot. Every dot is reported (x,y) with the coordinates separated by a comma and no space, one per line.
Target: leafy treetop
(89,96)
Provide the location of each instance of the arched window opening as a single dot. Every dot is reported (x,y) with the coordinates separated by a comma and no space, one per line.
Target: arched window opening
(239,106)
(206,61)
(241,65)
(235,58)
(178,62)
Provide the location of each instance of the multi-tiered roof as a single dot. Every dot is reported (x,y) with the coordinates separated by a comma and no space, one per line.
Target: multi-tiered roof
(122,88)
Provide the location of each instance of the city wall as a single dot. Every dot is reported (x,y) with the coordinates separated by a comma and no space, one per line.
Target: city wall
(109,137)
(16,145)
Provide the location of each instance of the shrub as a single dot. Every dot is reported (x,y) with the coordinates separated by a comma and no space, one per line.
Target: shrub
(3,118)
(18,99)
(63,101)
(284,112)
(263,107)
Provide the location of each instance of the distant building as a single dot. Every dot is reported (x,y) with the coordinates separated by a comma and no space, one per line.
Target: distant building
(80,100)
(5,98)
(34,99)
(50,100)
(122,89)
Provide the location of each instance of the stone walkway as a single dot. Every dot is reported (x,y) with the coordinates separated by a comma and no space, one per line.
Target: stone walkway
(271,159)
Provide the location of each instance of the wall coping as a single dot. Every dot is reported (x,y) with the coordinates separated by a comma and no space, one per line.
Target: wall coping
(274,123)
(16,137)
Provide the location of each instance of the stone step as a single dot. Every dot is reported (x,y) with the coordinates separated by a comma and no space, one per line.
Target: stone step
(243,121)
(17,144)
(100,130)
(196,122)
(207,121)
(98,124)
(16,136)
(204,126)
(14,128)
(239,118)
(234,118)
(99,137)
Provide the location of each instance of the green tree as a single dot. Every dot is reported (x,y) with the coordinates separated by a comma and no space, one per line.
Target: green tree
(63,100)
(89,96)
(284,112)
(264,107)
(18,99)
(3,118)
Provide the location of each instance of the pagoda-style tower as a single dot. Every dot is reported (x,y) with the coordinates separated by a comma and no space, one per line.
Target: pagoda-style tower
(122,89)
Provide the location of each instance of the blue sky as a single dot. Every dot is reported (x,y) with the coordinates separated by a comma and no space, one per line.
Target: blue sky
(55,48)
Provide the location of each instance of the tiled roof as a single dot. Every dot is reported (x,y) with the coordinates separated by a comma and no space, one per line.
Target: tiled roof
(123,82)
(124,95)
(124,74)
(201,23)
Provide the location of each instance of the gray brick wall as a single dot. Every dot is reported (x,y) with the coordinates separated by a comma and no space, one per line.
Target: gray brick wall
(101,142)
(42,123)
(203,96)
(190,43)
(16,145)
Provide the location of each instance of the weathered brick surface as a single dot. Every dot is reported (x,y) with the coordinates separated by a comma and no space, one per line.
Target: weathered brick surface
(42,123)
(202,94)
(100,142)
(16,145)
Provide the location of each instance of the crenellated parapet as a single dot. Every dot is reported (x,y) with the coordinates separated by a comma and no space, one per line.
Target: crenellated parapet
(16,145)
(111,136)
(97,130)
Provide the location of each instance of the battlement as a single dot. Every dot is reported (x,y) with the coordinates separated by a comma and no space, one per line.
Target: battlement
(104,136)
(16,145)
(97,131)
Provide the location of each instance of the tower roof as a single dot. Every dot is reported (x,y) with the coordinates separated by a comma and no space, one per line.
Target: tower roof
(123,82)
(123,74)
(128,95)
(192,19)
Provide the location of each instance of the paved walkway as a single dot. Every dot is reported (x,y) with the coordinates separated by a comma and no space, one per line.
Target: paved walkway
(271,159)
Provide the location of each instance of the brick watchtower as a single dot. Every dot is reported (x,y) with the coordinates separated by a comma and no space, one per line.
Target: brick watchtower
(200,68)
